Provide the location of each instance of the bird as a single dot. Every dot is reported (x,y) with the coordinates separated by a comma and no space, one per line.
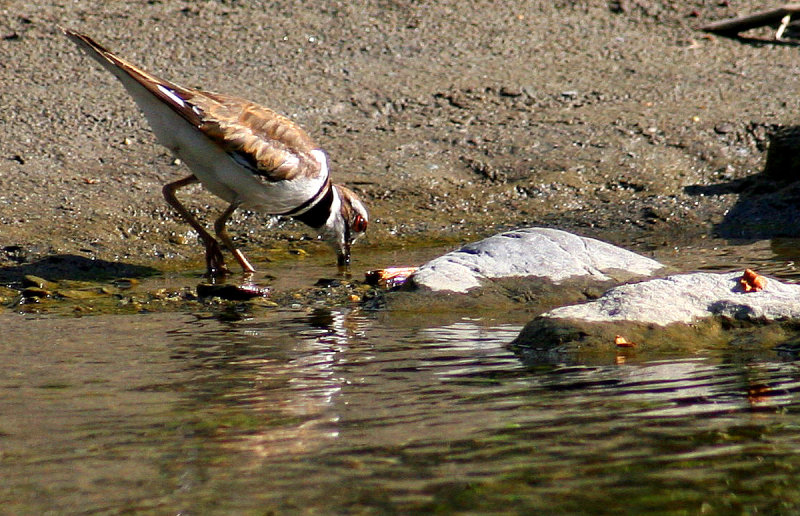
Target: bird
(242,152)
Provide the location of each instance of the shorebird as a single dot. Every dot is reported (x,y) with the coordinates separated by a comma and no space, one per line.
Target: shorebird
(244,153)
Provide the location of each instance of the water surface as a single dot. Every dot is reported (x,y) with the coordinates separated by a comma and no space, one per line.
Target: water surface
(319,411)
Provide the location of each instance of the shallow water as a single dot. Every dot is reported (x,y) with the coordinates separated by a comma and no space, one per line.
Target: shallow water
(336,411)
(344,411)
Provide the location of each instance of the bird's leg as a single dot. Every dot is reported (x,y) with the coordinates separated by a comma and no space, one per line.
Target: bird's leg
(215,262)
(222,233)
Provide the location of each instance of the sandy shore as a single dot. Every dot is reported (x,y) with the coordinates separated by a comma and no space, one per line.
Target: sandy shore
(453,120)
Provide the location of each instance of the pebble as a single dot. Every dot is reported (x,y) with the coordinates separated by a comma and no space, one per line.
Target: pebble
(510,91)
(178,239)
(231,292)
(263,302)
(77,294)
(724,128)
(29,280)
(328,283)
(36,292)
(125,283)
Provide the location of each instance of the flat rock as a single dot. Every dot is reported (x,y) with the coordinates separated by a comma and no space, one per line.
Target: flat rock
(685,298)
(532,252)
(679,312)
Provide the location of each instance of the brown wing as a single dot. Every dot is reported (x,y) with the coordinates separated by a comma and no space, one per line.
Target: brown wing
(267,143)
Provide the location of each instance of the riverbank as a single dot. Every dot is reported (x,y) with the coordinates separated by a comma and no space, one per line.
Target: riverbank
(619,122)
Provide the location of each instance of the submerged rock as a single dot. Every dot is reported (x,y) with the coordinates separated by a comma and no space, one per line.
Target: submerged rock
(532,252)
(232,292)
(29,280)
(36,293)
(79,294)
(680,312)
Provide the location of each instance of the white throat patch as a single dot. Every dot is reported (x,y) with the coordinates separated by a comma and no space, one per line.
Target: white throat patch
(322,159)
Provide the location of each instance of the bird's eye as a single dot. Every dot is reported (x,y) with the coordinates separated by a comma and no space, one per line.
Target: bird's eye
(359,225)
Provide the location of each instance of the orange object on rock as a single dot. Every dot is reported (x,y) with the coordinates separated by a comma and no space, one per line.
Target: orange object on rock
(622,342)
(390,277)
(751,281)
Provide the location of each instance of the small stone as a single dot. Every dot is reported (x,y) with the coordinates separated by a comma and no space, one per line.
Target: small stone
(510,91)
(178,239)
(125,283)
(77,294)
(724,128)
(29,280)
(231,292)
(263,302)
(36,292)
(328,283)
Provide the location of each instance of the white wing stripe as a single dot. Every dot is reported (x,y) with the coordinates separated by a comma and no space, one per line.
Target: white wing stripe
(171,94)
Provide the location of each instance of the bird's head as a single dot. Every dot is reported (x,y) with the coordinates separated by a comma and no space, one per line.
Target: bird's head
(347,222)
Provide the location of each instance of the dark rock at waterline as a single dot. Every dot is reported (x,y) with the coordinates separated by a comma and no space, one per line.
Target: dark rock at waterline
(783,162)
(677,313)
(232,292)
(551,254)
(328,283)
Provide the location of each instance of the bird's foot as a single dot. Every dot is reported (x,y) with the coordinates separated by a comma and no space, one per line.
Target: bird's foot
(215,262)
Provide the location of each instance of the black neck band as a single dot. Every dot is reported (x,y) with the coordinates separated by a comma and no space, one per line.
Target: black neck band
(317,215)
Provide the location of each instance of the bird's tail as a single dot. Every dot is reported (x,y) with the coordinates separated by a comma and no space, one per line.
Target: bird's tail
(136,80)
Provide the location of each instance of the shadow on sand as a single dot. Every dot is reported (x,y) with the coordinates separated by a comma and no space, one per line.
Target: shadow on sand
(72,267)
(769,202)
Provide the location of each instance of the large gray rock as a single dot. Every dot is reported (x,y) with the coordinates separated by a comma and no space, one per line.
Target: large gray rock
(676,313)
(532,252)
(686,298)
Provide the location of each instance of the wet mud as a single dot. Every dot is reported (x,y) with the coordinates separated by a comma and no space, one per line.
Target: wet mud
(615,120)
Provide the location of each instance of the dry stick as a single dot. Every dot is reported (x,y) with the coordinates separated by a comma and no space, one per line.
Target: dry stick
(751,21)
